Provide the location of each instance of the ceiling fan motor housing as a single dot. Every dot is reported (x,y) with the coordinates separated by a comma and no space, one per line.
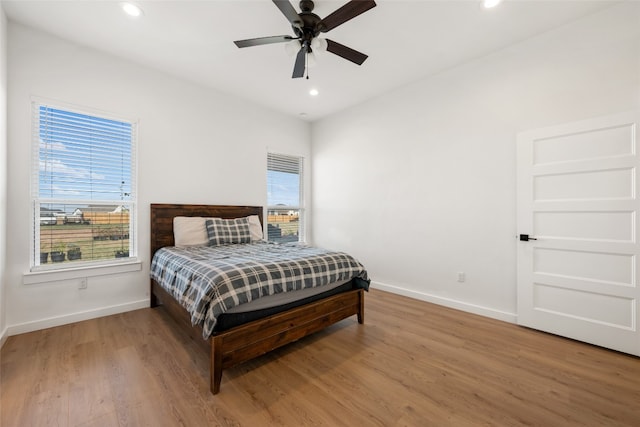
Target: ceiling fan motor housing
(306,5)
(311,24)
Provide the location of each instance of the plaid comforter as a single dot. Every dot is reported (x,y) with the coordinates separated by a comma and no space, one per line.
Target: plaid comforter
(208,281)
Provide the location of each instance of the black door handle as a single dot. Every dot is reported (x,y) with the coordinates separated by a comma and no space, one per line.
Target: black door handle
(526,238)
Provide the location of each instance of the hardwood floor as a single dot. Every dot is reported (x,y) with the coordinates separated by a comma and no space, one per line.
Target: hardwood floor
(410,364)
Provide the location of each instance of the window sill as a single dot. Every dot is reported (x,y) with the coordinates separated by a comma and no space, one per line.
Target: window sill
(43,276)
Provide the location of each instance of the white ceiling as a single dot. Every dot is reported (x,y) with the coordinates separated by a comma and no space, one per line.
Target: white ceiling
(405,41)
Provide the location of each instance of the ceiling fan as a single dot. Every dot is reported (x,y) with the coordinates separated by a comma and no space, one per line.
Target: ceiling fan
(307,26)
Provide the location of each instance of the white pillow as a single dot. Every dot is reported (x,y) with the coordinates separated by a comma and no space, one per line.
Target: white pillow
(255,228)
(190,231)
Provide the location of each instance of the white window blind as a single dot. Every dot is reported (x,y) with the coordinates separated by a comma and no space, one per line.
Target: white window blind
(285,219)
(83,188)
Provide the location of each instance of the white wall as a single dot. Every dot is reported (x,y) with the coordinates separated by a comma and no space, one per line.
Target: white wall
(420,183)
(3,169)
(195,146)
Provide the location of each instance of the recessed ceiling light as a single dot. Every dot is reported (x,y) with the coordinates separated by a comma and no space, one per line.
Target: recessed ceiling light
(488,4)
(131,9)
(314,92)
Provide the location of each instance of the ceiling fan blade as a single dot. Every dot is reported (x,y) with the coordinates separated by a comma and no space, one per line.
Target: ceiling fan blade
(345,13)
(298,68)
(289,12)
(263,40)
(346,52)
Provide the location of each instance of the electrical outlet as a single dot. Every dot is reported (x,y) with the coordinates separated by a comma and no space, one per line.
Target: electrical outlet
(461,276)
(83,283)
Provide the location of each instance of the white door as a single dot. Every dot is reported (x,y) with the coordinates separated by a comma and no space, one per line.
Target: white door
(578,196)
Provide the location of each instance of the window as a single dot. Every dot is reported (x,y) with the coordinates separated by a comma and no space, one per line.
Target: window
(284,198)
(83,188)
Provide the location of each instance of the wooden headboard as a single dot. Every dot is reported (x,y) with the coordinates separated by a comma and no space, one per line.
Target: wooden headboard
(162,218)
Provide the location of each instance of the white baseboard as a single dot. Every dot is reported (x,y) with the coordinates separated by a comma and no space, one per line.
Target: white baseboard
(447,302)
(51,322)
(107,311)
(3,337)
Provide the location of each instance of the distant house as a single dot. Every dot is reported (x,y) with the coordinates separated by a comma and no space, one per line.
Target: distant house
(48,211)
(74,218)
(49,216)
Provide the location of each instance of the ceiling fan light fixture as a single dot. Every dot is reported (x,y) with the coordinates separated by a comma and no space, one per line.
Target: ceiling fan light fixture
(488,4)
(131,9)
(312,60)
(319,44)
(292,47)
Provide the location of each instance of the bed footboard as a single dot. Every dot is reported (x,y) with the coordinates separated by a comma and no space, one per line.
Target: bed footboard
(254,339)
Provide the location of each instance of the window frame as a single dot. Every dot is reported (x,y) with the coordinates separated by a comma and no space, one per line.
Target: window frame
(48,272)
(300,207)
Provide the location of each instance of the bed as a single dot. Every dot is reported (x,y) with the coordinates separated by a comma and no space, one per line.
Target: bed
(245,335)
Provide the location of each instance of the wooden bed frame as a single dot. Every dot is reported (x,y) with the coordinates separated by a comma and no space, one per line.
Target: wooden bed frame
(244,342)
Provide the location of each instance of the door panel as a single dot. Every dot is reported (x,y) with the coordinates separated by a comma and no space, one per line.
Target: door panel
(577,194)
(592,144)
(608,184)
(596,267)
(584,305)
(611,226)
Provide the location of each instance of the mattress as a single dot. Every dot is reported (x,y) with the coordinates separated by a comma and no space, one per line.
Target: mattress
(210,281)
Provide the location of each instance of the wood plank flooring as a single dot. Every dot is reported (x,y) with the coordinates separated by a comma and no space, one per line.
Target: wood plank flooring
(410,364)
